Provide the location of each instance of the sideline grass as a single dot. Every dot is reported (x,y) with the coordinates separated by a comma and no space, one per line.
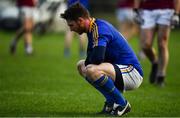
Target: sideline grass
(47,84)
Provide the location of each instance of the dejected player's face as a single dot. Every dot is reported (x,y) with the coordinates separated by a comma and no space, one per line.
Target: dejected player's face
(75,26)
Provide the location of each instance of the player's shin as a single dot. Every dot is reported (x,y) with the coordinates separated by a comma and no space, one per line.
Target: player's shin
(109,98)
(107,85)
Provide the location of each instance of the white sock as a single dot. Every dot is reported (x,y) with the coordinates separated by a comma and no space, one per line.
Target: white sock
(29,49)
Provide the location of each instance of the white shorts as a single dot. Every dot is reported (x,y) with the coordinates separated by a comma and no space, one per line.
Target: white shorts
(131,77)
(157,16)
(27,12)
(125,14)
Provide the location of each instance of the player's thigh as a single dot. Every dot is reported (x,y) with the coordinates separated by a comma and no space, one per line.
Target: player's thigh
(129,78)
(147,37)
(124,14)
(125,26)
(107,69)
(148,27)
(28,13)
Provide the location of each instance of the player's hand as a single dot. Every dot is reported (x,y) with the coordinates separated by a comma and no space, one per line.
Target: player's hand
(175,20)
(137,16)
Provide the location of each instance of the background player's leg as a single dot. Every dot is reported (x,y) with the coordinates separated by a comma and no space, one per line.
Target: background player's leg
(15,40)
(82,45)
(67,43)
(163,36)
(146,41)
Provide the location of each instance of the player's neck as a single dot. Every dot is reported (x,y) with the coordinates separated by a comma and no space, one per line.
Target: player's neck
(87,24)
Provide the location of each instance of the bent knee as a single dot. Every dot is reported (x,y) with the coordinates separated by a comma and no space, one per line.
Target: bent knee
(81,68)
(146,46)
(80,63)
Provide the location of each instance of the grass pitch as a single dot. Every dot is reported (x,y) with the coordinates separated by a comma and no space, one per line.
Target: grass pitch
(47,84)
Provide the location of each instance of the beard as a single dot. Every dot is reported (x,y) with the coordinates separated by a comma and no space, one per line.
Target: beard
(80,31)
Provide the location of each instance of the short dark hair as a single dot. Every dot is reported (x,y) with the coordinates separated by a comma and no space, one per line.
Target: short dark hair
(75,11)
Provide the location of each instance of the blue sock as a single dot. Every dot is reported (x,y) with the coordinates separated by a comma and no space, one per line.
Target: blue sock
(109,98)
(106,84)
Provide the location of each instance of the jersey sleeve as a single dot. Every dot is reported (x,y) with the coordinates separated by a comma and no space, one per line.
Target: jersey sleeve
(103,36)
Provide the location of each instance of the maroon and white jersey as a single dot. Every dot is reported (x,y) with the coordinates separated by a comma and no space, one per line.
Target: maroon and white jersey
(125,3)
(157,4)
(28,3)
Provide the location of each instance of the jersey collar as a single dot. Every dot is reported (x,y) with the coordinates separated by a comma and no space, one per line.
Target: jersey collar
(91,24)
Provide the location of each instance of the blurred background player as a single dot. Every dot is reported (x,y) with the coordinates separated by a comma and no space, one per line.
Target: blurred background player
(125,18)
(157,17)
(26,8)
(126,24)
(69,34)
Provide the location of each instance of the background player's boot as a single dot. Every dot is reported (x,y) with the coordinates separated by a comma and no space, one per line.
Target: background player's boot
(13,47)
(119,110)
(160,81)
(154,69)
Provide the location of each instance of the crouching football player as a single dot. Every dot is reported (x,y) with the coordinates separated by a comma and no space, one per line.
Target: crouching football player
(111,65)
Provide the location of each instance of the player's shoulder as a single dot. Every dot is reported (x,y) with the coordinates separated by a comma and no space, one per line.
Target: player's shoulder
(103,26)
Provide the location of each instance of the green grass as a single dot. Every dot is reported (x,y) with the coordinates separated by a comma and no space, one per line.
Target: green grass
(47,84)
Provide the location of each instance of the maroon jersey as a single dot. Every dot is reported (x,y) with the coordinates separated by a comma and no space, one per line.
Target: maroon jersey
(125,3)
(29,3)
(157,4)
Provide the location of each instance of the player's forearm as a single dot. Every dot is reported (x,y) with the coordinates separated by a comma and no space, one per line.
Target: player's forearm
(88,58)
(98,54)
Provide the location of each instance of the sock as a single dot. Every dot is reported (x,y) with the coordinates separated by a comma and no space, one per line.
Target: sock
(29,49)
(67,52)
(82,53)
(106,84)
(109,98)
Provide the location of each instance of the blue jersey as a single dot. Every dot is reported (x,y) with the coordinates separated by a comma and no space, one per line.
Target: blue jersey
(118,51)
(85,3)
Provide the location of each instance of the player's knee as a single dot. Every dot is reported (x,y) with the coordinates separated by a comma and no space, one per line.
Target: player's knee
(146,46)
(27,30)
(163,38)
(163,44)
(80,63)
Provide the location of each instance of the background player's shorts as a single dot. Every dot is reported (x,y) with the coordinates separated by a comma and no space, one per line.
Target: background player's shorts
(130,77)
(125,14)
(157,16)
(27,12)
